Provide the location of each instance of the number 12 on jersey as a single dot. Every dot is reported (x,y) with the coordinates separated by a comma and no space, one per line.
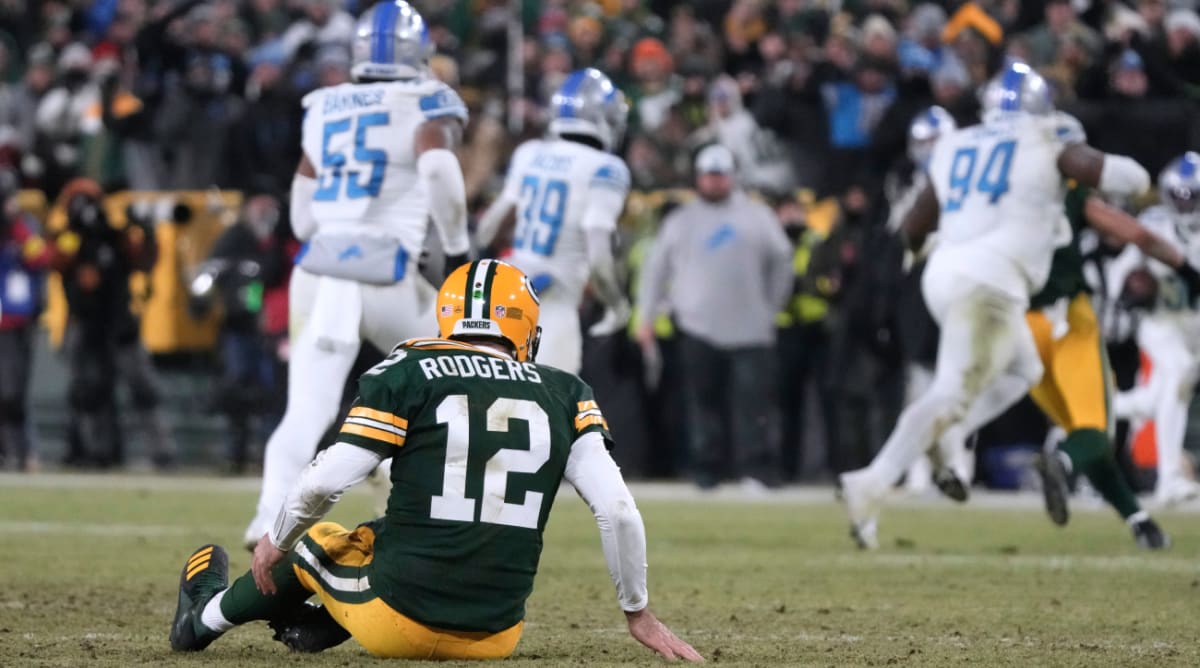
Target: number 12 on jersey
(543,208)
(453,503)
(993,180)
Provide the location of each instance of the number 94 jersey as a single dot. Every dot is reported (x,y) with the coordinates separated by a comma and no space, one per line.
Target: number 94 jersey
(1001,193)
(479,446)
(554,182)
(360,140)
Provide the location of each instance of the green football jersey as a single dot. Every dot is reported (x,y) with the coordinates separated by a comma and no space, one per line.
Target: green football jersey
(1066,277)
(479,444)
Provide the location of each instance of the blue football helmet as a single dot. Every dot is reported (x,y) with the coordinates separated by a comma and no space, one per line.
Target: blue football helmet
(925,130)
(391,42)
(589,104)
(1017,88)
(1179,188)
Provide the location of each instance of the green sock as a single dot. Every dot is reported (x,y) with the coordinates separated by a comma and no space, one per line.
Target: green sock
(243,602)
(1091,455)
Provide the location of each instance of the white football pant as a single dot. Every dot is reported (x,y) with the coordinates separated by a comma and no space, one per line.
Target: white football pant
(317,371)
(562,341)
(1166,396)
(985,349)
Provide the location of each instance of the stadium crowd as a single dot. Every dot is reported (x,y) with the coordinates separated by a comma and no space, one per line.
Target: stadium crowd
(814,98)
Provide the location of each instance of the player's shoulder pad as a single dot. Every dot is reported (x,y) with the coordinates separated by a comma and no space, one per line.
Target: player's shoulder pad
(442,102)
(524,149)
(612,174)
(1068,129)
(1157,218)
(312,99)
(309,100)
(585,412)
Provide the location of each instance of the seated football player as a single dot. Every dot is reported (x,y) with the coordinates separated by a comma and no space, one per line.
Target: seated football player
(480,438)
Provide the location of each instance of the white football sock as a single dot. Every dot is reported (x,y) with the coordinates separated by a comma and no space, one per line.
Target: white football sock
(212,618)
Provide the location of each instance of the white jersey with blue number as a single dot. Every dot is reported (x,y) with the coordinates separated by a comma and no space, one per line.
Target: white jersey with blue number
(360,140)
(1001,198)
(553,182)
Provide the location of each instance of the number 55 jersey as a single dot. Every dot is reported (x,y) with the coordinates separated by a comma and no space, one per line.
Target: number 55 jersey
(479,445)
(1001,197)
(360,139)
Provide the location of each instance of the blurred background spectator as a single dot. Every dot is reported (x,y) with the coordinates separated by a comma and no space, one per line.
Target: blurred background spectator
(721,269)
(24,257)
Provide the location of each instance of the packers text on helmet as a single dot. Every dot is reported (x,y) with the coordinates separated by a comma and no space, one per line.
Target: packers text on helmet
(491,299)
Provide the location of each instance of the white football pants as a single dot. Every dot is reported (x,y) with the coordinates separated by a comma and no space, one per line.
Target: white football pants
(1167,395)
(317,370)
(984,339)
(562,340)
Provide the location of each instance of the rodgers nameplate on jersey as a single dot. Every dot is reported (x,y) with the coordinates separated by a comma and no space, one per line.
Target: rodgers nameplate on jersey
(470,479)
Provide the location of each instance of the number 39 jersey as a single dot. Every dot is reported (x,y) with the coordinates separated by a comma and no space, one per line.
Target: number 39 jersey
(479,445)
(360,139)
(553,182)
(1001,194)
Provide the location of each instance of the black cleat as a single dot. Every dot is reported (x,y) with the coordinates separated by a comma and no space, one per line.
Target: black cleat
(1150,536)
(949,485)
(310,631)
(1054,486)
(204,575)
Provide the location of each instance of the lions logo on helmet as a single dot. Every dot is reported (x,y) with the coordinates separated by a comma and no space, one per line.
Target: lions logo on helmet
(492,299)
(925,130)
(1179,189)
(391,42)
(588,104)
(1017,88)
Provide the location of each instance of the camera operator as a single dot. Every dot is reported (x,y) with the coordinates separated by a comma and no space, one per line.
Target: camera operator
(237,273)
(102,342)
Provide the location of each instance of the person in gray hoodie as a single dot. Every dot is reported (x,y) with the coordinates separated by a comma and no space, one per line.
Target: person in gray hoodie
(721,266)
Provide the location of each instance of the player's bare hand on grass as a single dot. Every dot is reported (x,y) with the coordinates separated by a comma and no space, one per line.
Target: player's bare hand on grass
(266,555)
(646,628)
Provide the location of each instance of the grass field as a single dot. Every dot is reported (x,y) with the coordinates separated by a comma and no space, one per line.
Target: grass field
(89,565)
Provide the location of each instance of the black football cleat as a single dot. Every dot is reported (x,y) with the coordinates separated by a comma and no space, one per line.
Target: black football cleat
(950,485)
(205,574)
(1150,536)
(312,630)
(1054,486)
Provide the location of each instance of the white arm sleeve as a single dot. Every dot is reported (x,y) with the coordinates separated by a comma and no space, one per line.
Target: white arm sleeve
(303,223)
(320,486)
(1122,175)
(603,268)
(596,477)
(443,180)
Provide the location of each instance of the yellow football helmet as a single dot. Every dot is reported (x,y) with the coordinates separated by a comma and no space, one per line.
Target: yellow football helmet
(493,299)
